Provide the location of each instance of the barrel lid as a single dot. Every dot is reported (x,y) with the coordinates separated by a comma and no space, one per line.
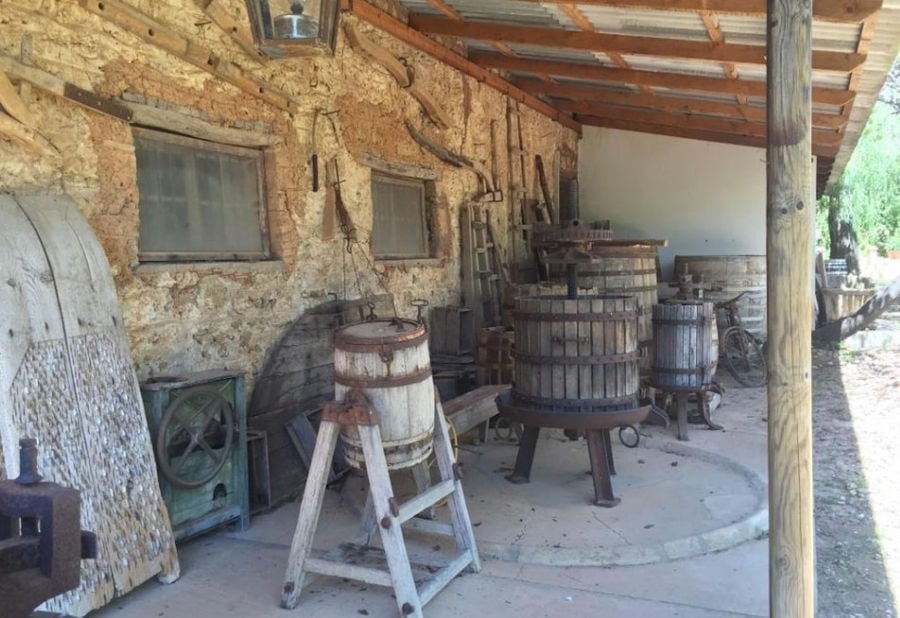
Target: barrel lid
(394,330)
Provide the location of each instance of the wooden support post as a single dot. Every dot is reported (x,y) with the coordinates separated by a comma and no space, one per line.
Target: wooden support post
(789,217)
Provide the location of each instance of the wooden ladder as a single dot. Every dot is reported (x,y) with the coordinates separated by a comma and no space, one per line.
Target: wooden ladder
(481,267)
(382,511)
(522,265)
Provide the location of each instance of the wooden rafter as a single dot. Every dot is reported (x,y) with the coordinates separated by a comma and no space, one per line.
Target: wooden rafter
(452,13)
(238,32)
(597,42)
(375,16)
(851,11)
(585,24)
(689,133)
(715,34)
(700,123)
(675,81)
(600,102)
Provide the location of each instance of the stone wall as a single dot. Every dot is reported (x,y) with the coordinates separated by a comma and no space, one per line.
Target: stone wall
(211,315)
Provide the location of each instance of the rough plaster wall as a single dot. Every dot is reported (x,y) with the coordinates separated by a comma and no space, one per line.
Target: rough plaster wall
(223,315)
(705,198)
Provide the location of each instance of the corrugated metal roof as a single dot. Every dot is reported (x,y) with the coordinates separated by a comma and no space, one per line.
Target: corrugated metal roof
(684,25)
(675,65)
(500,11)
(661,24)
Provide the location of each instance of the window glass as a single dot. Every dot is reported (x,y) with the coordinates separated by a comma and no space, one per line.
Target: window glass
(399,226)
(198,200)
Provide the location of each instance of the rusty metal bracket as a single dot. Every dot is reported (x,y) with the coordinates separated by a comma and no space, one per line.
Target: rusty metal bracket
(41,541)
(358,382)
(356,409)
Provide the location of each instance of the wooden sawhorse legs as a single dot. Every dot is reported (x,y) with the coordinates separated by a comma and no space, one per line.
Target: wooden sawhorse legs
(389,514)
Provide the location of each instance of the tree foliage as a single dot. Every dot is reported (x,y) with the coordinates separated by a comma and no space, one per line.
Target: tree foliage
(867,196)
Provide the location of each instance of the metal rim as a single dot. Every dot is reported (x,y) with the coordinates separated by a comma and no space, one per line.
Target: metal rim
(395,341)
(179,418)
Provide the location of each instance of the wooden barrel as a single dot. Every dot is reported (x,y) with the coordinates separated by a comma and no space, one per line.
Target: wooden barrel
(626,270)
(494,362)
(733,274)
(388,361)
(576,355)
(685,352)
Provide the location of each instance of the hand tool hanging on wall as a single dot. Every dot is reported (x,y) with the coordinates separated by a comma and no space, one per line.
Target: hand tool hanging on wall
(488,193)
(545,190)
(334,179)
(314,155)
(404,74)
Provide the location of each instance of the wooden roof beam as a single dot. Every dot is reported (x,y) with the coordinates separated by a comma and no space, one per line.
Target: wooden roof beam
(707,136)
(714,31)
(378,18)
(585,24)
(598,42)
(452,13)
(850,11)
(599,105)
(675,81)
(699,123)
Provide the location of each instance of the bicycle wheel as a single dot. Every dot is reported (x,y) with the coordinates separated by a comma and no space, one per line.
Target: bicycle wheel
(744,357)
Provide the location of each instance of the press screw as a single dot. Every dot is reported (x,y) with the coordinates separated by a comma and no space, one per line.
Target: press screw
(28,474)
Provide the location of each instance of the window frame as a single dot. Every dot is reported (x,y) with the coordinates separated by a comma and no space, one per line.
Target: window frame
(405,181)
(257,155)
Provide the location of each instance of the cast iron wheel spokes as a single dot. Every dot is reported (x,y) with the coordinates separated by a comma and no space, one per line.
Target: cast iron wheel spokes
(744,357)
(184,453)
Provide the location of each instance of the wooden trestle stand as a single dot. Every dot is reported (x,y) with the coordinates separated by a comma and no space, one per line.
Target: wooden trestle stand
(383,510)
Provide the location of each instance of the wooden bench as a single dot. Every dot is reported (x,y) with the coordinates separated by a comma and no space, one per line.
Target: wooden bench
(474,408)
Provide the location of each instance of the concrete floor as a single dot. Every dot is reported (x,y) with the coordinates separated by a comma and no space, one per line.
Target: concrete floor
(687,540)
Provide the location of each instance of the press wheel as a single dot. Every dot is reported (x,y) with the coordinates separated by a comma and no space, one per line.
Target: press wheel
(195,437)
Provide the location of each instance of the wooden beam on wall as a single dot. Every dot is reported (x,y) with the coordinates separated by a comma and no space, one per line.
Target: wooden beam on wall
(375,16)
(13,130)
(63,89)
(625,44)
(790,216)
(154,117)
(852,11)
(239,33)
(674,81)
(404,76)
(155,33)
(12,103)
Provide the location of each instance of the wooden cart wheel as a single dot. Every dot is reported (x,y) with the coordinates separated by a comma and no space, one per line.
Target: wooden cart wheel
(195,437)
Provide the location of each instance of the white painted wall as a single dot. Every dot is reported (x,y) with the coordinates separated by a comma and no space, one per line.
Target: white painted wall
(705,198)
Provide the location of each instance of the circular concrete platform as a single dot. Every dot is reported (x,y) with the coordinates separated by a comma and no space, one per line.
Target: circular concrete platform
(677,502)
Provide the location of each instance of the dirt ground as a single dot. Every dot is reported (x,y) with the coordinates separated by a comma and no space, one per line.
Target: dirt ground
(856,407)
